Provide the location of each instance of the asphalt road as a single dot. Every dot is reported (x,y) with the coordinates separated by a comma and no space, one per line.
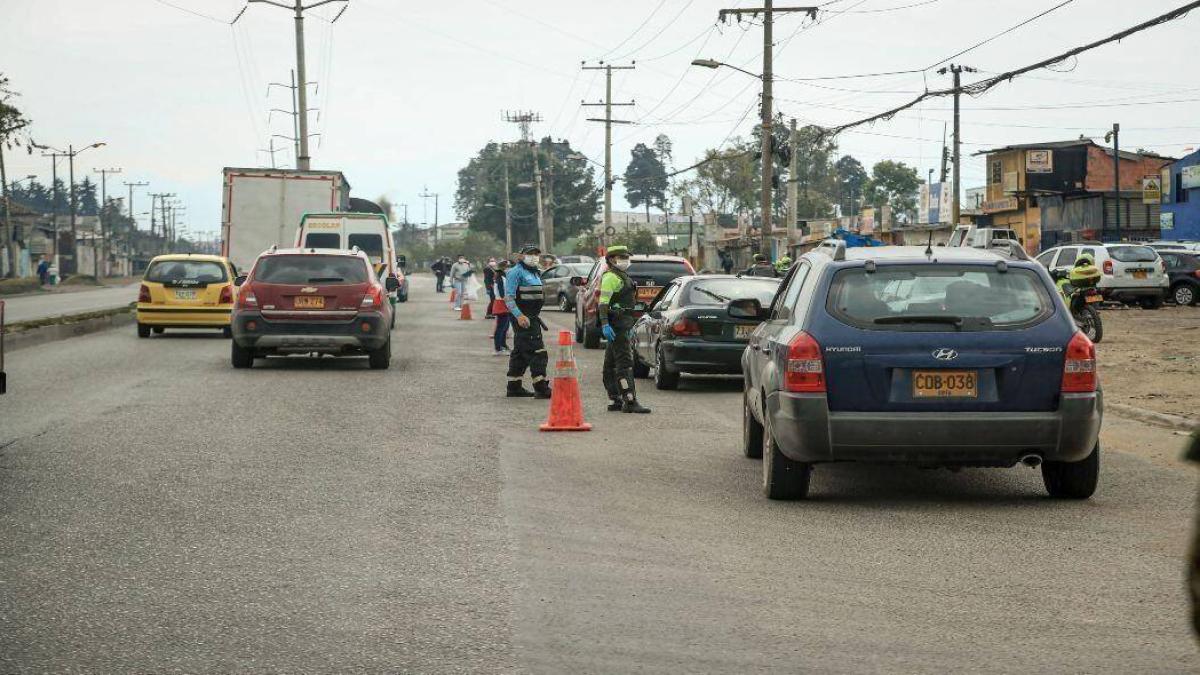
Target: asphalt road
(161,512)
(46,305)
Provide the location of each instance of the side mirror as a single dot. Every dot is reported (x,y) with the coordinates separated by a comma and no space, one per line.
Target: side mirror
(577,281)
(238,281)
(392,284)
(747,308)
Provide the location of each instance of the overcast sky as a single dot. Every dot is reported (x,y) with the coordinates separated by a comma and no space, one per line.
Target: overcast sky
(409,91)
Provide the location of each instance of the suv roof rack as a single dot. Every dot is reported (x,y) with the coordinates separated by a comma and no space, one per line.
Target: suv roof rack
(834,248)
(1012,248)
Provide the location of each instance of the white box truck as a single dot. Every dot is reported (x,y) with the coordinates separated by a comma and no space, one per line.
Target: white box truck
(263,207)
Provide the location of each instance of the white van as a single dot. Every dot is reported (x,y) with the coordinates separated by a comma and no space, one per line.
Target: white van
(368,231)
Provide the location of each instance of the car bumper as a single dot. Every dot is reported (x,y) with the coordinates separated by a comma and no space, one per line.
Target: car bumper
(807,431)
(251,331)
(704,358)
(167,316)
(1119,294)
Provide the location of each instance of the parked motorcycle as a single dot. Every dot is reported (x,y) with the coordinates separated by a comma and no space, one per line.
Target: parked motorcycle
(1083,303)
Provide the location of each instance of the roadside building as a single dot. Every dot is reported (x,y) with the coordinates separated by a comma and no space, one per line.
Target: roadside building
(1059,192)
(1180,217)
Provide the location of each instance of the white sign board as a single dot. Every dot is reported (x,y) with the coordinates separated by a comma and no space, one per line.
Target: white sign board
(1039,161)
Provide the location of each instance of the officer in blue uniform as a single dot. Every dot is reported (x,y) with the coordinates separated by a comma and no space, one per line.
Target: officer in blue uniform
(524,296)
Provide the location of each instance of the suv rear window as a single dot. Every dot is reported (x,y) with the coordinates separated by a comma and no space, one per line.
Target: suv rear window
(661,272)
(187,272)
(938,298)
(1132,254)
(721,291)
(311,269)
(323,240)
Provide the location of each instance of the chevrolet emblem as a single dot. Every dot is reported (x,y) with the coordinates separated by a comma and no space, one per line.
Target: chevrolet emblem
(309,289)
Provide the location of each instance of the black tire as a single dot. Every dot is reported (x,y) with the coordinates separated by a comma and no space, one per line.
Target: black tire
(381,359)
(159,330)
(641,371)
(1155,302)
(578,333)
(1073,480)
(143,330)
(240,357)
(1185,294)
(664,378)
(1088,320)
(227,332)
(591,337)
(783,478)
(564,303)
(752,431)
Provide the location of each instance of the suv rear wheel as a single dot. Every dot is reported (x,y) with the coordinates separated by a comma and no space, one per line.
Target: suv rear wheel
(1184,294)
(591,337)
(239,356)
(783,478)
(1073,480)
(381,358)
(752,431)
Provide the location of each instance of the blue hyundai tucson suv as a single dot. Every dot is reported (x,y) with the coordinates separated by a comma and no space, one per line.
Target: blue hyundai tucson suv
(933,357)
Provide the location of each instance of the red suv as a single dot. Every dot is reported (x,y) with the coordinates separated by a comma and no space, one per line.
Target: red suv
(651,273)
(306,301)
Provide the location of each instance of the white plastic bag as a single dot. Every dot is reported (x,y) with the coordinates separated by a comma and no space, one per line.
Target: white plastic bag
(471,288)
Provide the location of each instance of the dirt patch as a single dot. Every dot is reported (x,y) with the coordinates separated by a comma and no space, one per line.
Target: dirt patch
(20,285)
(1151,359)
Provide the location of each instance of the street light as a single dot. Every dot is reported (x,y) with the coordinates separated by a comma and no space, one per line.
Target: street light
(709,63)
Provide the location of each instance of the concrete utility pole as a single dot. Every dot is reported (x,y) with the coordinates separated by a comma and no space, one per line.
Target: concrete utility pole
(1115,137)
(793,193)
(945,156)
(426,195)
(302,160)
(162,205)
(508,246)
(608,122)
(101,232)
(956,204)
(54,207)
(768,11)
(541,208)
(132,218)
(294,113)
(8,226)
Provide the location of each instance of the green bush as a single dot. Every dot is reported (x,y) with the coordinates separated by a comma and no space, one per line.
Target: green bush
(19,285)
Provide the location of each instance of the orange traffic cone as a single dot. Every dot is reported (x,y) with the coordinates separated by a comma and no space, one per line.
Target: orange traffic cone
(453,295)
(465,314)
(566,406)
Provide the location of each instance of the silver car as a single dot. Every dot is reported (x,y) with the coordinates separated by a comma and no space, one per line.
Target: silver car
(557,284)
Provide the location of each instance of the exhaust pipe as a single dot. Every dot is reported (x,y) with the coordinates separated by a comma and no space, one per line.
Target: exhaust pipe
(1032,461)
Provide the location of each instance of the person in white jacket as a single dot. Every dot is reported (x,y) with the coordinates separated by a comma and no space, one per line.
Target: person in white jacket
(460,271)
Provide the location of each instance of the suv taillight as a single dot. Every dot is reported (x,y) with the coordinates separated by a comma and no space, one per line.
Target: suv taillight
(246,298)
(373,298)
(805,369)
(1108,267)
(226,296)
(685,327)
(144,293)
(1162,265)
(1079,369)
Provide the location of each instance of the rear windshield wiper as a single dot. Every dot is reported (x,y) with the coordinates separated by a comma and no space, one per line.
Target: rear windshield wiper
(716,296)
(324,280)
(956,321)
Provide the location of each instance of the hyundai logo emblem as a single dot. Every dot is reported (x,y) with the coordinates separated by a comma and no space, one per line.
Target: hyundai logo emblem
(945,354)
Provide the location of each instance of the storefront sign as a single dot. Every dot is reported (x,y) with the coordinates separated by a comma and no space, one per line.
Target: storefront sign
(1166,220)
(1039,161)
(1191,176)
(1151,190)
(1001,205)
(867,224)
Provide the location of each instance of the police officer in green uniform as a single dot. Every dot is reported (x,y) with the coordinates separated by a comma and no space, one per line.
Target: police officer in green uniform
(617,296)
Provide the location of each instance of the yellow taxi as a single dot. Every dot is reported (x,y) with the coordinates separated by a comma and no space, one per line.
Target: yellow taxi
(185,290)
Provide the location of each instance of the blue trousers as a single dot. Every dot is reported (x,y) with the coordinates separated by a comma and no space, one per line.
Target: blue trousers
(500,337)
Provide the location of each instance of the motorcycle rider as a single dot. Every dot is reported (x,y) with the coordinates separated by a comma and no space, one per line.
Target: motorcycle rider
(1084,274)
(783,264)
(761,267)
(617,297)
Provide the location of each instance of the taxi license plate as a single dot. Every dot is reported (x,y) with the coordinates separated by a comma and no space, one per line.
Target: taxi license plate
(188,294)
(1093,297)
(1139,274)
(945,384)
(743,332)
(309,302)
(647,293)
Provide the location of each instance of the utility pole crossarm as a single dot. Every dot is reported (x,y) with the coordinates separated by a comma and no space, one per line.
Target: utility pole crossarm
(755,11)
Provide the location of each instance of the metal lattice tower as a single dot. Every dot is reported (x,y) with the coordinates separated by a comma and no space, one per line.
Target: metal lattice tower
(524,118)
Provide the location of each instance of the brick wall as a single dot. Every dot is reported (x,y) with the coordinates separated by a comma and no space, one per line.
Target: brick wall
(1100,171)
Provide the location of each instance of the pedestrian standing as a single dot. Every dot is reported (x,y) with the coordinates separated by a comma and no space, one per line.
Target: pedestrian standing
(43,271)
(460,271)
(499,309)
(617,297)
(489,282)
(439,268)
(524,297)
(727,261)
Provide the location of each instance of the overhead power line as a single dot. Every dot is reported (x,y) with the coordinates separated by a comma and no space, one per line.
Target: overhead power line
(984,85)
(1004,32)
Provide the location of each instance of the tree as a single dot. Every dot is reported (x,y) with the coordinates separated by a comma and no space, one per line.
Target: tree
(640,241)
(851,183)
(85,192)
(816,177)
(894,184)
(571,192)
(664,149)
(475,245)
(645,179)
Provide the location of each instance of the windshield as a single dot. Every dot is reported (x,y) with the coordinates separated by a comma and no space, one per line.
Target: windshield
(660,272)
(938,298)
(721,291)
(189,272)
(1132,253)
(323,240)
(371,244)
(311,269)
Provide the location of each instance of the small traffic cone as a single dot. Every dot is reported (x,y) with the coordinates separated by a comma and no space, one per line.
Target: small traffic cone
(566,406)
(465,314)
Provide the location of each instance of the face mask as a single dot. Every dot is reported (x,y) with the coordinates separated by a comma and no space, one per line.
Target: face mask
(492,263)
(622,263)
(531,260)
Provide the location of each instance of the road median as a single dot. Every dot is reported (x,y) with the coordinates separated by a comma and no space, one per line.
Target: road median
(52,329)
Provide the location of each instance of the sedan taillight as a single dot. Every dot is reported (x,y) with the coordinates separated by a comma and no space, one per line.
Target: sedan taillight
(805,368)
(143,293)
(1079,369)
(1108,267)
(683,327)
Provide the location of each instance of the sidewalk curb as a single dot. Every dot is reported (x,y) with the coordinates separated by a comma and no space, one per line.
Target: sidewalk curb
(1157,419)
(68,327)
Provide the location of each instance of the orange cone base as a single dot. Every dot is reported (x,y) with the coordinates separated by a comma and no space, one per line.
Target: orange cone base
(465,314)
(453,295)
(566,407)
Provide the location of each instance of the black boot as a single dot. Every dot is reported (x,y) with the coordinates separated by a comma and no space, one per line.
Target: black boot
(541,389)
(516,390)
(615,405)
(634,407)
